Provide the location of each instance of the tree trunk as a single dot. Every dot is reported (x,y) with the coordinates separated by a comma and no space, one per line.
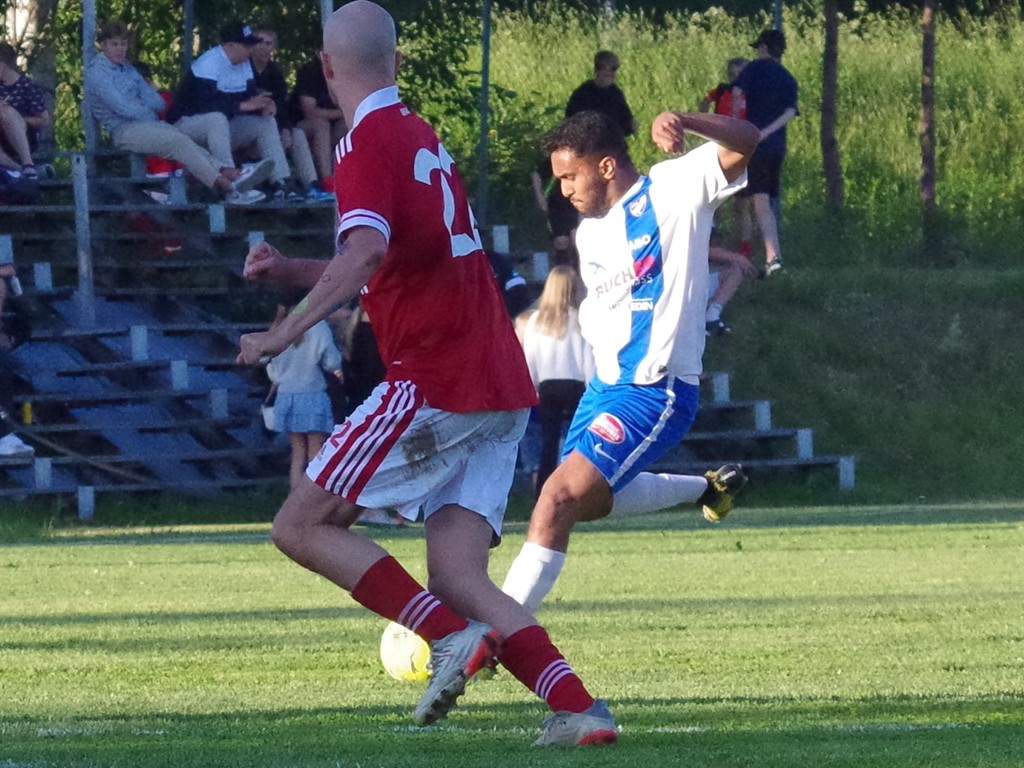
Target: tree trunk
(28,25)
(829,88)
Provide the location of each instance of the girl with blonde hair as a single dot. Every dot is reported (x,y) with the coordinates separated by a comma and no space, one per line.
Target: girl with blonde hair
(302,409)
(559,359)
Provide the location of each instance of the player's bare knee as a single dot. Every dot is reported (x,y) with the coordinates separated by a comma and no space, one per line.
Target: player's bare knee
(284,535)
(289,530)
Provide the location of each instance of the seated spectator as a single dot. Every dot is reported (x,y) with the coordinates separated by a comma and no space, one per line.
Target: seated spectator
(158,167)
(15,187)
(728,271)
(23,114)
(220,85)
(315,113)
(127,106)
(14,330)
(270,81)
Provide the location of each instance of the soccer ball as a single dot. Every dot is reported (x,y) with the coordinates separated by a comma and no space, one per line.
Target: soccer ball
(404,654)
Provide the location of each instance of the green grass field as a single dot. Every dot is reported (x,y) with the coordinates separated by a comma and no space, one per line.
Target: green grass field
(856,636)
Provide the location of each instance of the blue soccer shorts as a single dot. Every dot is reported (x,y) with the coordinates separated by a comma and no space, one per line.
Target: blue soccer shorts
(624,428)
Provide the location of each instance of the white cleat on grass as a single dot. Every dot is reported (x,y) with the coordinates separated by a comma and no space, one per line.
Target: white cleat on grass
(454,659)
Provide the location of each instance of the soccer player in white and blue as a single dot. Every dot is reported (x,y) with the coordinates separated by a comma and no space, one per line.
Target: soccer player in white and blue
(643,246)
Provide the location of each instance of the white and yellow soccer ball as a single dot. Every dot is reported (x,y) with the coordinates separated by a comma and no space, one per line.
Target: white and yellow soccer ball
(404,654)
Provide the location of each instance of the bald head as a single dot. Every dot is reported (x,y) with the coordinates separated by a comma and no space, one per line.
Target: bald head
(360,40)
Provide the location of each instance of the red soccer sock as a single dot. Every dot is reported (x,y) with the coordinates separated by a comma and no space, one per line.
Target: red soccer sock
(535,662)
(387,589)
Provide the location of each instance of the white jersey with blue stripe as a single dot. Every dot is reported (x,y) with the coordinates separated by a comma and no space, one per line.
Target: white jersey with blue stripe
(645,266)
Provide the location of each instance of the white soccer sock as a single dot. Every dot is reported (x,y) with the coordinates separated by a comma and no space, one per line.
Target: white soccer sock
(713,313)
(533,574)
(648,492)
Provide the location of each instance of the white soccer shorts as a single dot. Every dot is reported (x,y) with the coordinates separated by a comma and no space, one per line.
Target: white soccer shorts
(397,452)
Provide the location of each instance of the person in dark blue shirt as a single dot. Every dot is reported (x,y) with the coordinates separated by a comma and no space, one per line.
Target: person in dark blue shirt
(602,94)
(771,94)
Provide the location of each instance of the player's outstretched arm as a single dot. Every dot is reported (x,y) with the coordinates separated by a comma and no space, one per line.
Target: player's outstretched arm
(342,278)
(736,139)
(265,263)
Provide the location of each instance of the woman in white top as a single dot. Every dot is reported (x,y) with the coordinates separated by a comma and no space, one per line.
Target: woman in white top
(560,361)
(302,408)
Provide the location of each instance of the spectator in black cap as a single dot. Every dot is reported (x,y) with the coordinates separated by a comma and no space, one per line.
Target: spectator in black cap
(770,92)
(222,80)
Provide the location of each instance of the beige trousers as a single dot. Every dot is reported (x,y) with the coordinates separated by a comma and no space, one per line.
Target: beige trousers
(165,140)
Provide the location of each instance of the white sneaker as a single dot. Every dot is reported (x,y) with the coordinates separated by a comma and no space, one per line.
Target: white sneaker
(253,174)
(163,198)
(11,445)
(454,659)
(244,198)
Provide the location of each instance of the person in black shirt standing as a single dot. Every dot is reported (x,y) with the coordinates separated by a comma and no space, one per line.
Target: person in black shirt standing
(602,94)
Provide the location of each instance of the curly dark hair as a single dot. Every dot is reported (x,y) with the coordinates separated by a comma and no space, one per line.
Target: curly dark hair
(587,133)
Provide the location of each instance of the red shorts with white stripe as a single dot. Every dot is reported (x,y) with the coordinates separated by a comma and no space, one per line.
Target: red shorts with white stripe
(397,452)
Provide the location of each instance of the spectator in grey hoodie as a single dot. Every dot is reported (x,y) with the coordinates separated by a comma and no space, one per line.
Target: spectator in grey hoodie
(127,106)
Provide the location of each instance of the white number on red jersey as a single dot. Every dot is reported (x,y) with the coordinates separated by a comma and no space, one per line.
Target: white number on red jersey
(425,164)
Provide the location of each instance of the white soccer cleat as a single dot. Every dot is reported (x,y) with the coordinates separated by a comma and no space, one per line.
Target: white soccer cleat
(454,659)
(578,729)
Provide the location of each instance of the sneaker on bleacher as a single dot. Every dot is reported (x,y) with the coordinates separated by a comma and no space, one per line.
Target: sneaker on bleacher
(12,446)
(253,174)
(244,198)
(282,192)
(163,198)
(315,194)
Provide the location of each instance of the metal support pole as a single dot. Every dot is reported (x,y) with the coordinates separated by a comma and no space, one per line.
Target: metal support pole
(88,50)
(482,148)
(186,37)
(218,224)
(86,296)
(326,9)
(140,342)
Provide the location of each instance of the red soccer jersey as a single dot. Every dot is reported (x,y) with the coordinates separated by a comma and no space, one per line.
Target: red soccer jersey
(721,97)
(437,313)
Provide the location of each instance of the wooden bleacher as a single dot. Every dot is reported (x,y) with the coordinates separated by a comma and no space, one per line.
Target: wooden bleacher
(144,395)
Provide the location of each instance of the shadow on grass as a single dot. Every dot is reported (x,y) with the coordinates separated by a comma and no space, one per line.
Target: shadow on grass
(742,517)
(880,732)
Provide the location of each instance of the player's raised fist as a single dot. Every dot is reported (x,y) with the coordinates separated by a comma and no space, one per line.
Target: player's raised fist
(667,132)
(262,261)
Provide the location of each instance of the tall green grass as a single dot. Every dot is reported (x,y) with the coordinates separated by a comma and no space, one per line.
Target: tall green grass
(859,636)
(672,65)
